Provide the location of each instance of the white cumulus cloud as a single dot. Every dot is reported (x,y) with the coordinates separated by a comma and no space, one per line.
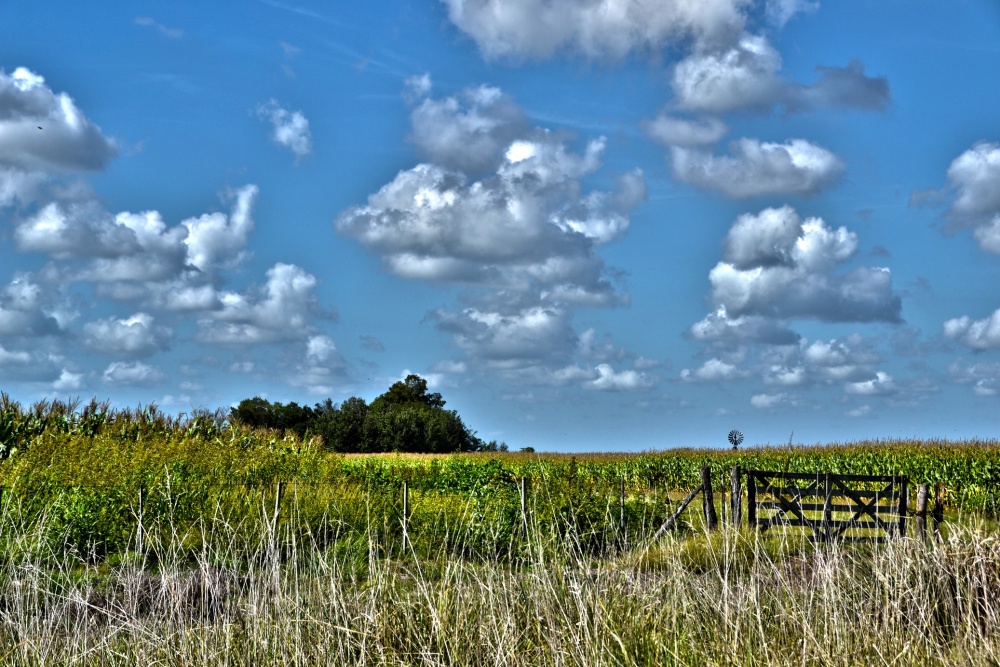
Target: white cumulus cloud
(470,131)
(289,129)
(777,265)
(137,335)
(41,130)
(132,374)
(674,131)
(598,29)
(280,311)
(756,168)
(745,76)
(610,380)
(880,385)
(981,334)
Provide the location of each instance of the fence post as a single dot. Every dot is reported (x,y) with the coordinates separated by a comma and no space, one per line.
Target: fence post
(827,507)
(904,498)
(751,501)
(736,496)
(921,511)
(711,518)
(406,516)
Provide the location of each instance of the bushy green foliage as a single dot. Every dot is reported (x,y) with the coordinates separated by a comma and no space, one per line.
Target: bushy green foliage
(406,418)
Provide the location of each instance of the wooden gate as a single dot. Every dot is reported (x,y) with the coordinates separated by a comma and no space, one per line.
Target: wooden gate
(831,506)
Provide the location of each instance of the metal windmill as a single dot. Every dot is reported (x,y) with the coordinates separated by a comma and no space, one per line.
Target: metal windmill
(735,438)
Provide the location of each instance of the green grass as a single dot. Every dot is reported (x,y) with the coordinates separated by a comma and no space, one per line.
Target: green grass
(203,572)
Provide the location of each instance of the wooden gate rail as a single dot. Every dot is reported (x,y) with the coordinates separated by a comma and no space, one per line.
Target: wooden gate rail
(810,500)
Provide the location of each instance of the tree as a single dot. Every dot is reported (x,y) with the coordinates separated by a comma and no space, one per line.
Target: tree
(257,412)
(406,418)
(411,390)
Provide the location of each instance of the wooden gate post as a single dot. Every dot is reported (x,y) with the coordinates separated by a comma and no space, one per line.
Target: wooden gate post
(827,508)
(711,518)
(921,511)
(904,497)
(751,501)
(736,496)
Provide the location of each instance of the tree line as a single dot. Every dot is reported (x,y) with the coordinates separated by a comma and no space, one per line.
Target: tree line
(406,418)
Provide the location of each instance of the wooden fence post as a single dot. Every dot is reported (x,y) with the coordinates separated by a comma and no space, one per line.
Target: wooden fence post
(904,497)
(921,511)
(406,516)
(711,518)
(736,496)
(827,508)
(751,501)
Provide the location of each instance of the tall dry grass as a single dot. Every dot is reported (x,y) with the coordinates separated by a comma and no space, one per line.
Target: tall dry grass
(238,590)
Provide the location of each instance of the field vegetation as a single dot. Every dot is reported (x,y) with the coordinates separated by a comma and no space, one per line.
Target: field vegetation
(132,537)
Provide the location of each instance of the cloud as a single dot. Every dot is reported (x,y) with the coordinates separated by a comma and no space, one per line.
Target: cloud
(765,401)
(132,374)
(172,33)
(610,380)
(136,336)
(609,29)
(93,245)
(745,76)
(711,371)
(18,186)
(470,131)
(777,265)
(372,343)
(720,327)
(974,182)
(672,131)
(780,12)
(754,168)
(416,86)
(502,209)
(290,129)
(983,376)
(28,310)
(532,334)
(68,381)
(320,367)
(981,334)
(880,385)
(215,240)
(529,227)
(67,140)
(280,311)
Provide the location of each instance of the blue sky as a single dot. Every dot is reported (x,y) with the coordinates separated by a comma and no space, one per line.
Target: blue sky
(601,225)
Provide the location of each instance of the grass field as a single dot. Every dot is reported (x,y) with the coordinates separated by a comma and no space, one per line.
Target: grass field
(144,540)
